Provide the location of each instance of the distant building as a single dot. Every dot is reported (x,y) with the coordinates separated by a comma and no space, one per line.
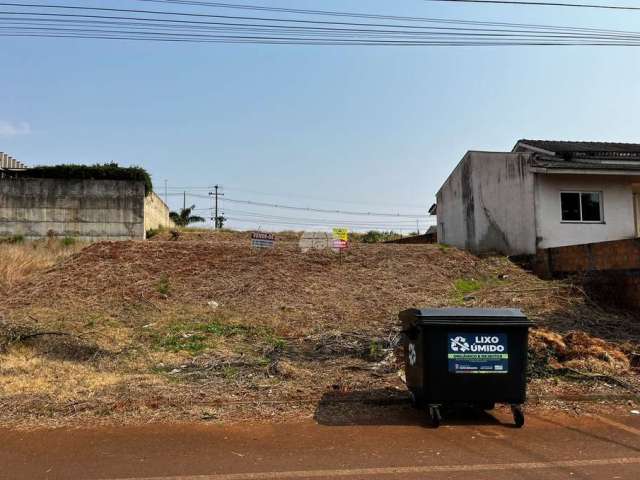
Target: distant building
(84,208)
(542,194)
(431,234)
(9,164)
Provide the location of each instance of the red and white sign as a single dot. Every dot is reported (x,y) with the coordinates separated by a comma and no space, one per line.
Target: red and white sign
(340,245)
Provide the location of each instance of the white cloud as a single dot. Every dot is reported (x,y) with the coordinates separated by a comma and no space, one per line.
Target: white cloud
(11,129)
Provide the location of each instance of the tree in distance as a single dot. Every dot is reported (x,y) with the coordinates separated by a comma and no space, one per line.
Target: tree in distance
(184,217)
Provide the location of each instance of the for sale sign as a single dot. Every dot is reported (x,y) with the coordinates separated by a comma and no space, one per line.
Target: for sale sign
(340,239)
(262,240)
(478,353)
(341,234)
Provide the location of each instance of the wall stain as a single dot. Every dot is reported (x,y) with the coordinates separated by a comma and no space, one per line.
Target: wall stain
(494,235)
(468,204)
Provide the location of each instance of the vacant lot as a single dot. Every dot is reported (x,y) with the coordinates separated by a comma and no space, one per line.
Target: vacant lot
(206,327)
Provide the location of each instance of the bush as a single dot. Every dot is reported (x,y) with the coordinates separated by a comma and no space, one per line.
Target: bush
(107,171)
(152,232)
(375,236)
(14,239)
(68,241)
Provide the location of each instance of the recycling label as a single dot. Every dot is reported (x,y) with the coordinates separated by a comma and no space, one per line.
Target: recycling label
(478,353)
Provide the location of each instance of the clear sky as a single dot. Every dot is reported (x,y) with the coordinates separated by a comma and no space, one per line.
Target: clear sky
(349,127)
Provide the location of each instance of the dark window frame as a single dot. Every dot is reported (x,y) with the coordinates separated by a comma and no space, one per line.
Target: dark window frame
(580,193)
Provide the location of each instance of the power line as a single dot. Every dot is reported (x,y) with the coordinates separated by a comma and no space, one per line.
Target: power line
(319,225)
(325,12)
(295,195)
(310,209)
(321,210)
(542,4)
(267,217)
(267,30)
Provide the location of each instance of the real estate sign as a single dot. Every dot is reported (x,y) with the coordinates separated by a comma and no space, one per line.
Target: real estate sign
(341,234)
(262,240)
(340,239)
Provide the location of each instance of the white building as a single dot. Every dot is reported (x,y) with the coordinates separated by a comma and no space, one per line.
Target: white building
(542,194)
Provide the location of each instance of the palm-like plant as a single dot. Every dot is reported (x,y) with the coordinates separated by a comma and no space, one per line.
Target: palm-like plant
(184,217)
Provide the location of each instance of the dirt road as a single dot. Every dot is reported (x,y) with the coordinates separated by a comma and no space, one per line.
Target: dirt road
(551,446)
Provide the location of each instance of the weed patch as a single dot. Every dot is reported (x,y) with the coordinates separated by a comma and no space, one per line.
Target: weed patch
(163,287)
(465,286)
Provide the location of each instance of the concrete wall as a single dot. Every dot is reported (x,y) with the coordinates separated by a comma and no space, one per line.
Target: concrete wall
(156,213)
(416,239)
(487,204)
(83,209)
(617,202)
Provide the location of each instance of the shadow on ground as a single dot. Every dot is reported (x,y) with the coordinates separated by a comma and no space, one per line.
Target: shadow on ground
(393,407)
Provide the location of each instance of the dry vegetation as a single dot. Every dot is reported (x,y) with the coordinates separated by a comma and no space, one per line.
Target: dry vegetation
(19,260)
(206,327)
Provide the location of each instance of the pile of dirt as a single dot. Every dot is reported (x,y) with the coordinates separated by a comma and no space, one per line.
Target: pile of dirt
(190,326)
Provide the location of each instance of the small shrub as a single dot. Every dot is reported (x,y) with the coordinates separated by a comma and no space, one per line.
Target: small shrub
(163,287)
(68,241)
(152,232)
(376,351)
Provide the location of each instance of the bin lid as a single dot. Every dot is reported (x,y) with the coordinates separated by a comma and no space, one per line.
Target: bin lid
(466,316)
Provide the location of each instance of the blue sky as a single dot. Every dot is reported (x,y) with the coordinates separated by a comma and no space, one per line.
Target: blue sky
(350,128)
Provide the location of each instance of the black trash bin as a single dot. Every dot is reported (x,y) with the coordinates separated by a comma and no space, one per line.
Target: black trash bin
(472,356)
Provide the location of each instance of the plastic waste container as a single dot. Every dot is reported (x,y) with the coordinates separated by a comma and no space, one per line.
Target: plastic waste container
(466,356)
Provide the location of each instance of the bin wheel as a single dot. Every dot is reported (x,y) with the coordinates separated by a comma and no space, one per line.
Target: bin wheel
(434,416)
(518,415)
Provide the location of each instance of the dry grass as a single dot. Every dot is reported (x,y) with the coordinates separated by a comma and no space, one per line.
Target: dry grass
(19,261)
(65,380)
(171,327)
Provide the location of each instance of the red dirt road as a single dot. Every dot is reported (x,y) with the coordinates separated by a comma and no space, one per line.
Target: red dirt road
(550,446)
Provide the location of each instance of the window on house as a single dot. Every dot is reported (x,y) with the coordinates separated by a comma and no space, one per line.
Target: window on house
(581,206)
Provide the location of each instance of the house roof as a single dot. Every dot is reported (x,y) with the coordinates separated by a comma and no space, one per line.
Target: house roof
(581,150)
(551,163)
(431,230)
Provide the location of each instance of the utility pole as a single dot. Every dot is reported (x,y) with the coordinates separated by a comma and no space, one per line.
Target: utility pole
(216,219)
(417,227)
(166,195)
(184,200)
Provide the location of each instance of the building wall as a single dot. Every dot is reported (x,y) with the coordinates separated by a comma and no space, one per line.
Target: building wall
(156,213)
(487,204)
(83,209)
(617,203)
(610,271)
